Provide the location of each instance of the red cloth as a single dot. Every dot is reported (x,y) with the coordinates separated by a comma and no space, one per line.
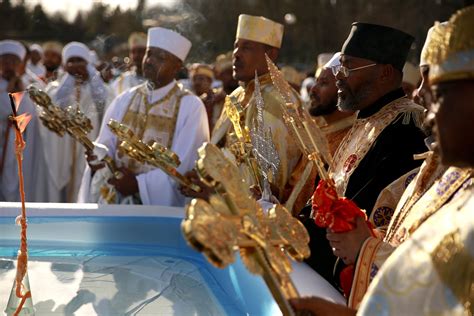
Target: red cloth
(331,211)
(338,214)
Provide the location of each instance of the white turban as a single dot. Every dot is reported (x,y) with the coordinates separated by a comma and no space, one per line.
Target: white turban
(37,48)
(170,41)
(13,48)
(76,49)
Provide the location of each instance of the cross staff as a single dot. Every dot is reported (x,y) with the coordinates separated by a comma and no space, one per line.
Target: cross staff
(263,147)
(232,220)
(300,124)
(152,153)
(68,120)
(243,146)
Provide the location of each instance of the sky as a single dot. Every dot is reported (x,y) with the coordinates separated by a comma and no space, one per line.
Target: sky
(71,7)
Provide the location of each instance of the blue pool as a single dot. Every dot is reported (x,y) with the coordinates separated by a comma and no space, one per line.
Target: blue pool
(128,260)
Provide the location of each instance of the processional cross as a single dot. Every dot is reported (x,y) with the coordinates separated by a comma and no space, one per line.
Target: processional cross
(152,153)
(233,221)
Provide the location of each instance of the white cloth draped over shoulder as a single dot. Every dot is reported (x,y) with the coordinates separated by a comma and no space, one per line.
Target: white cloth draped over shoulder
(34,167)
(65,157)
(191,131)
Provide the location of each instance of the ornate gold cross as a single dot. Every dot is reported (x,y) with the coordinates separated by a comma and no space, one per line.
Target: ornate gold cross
(69,120)
(151,153)
(233,221)
(300,125)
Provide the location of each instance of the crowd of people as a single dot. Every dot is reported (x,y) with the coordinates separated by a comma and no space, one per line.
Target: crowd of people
(398,136)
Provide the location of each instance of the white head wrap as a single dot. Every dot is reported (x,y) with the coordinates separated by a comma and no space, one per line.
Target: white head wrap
(37,48)
(13,48)
(170,41)
(76,49)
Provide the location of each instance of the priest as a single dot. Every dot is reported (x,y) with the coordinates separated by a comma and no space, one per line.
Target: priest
(257,36)
(159,110)
(81,87)
(432,272)
(380,146)
(11,55)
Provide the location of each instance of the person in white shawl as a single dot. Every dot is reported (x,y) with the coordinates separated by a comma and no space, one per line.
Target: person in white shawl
(159,110)
(83,88)
(11,55)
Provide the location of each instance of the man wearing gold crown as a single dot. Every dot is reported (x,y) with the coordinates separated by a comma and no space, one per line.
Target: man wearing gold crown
(257,36)
(134,76)
(159,110)
(379,147)
(432,272)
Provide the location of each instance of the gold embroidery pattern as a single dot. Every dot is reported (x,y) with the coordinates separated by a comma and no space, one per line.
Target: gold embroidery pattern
(149,127)
(419,189)
(455,267)
(361,137)
(361,283)
(448,192)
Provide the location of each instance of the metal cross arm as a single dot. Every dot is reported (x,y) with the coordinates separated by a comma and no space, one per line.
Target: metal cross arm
(152,153)
(233,221)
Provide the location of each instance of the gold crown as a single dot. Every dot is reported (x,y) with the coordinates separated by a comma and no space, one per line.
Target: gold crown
(259,29)
(451,51)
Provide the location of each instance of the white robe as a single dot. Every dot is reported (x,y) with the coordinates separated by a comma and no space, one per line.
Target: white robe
(65,156)
(30,78)
(34,167)
(429,274)
(155,186)
(37,69)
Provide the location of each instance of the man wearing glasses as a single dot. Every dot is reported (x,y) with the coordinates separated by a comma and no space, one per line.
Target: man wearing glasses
(380,146)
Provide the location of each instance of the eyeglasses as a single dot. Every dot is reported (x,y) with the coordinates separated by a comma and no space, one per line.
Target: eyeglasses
(346,71)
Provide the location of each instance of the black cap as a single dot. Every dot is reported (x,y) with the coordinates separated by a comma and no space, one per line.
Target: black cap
(382,44)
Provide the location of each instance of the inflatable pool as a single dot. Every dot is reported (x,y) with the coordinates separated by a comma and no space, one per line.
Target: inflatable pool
(86,259)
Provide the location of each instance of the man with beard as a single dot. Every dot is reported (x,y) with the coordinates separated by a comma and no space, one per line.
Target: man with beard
(159,110)
(380,146)
(134,76)
(408,200)
(432,271)
(334,123)
(52,61)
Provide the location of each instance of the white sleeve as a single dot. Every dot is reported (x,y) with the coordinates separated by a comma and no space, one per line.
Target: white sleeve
(192,130)
(116,111)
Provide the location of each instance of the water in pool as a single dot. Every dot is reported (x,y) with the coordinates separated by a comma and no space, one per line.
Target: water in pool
(124,266)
